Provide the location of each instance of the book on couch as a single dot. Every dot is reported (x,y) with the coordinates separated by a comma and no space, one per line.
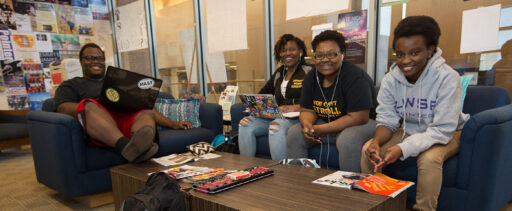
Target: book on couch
(376,184)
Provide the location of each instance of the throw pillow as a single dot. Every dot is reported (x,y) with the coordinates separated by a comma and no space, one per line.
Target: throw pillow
(464,82)
(180,110)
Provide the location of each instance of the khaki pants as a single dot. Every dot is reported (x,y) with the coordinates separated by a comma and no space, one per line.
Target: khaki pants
(430,168)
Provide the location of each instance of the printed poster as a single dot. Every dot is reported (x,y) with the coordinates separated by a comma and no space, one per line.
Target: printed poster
(43,42)
(48,57)
(7,20)
(64,2)
(83,17)
(23,23)
(66,19)
(7,48)
(28,57)
(353,27)
(13,77)
(45,18)
(24,43)
(80,3)
(37,99)
(18,102)
(65,42)
(24,7)
(34,77)
(99,10)
(130,23)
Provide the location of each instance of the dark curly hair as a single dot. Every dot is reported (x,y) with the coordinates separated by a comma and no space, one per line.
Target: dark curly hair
(330,35)
(282,42)
(89,45)
(418,25)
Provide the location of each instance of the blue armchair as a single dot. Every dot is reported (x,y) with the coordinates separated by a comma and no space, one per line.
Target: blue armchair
(478,177)
(13,129)
(66,164)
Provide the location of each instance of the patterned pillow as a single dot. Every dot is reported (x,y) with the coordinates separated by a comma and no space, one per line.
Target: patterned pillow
(180,110)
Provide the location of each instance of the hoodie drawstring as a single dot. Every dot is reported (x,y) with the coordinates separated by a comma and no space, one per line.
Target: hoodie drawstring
(404,93)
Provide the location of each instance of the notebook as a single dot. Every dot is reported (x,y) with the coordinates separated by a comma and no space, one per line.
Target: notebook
(264,106)
(126,91)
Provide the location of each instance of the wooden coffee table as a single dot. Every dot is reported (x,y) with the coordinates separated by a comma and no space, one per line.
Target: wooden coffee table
(290,188)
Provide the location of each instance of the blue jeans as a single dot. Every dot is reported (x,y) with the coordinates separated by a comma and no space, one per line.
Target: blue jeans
(259,127)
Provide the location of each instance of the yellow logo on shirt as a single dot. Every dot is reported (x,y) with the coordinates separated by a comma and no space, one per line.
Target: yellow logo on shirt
(297,83)
(324,109)
(112,95)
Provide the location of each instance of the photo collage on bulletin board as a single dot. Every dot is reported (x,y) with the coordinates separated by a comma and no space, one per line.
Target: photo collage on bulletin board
(35,33)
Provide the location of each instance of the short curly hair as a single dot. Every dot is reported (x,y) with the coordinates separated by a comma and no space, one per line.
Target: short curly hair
(330,35)
(418,25)
(89,45)
(282,42)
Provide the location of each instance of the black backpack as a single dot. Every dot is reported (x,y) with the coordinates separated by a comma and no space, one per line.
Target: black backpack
(162,192)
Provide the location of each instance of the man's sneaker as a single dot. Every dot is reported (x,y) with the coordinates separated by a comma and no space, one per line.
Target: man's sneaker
(148,154)
(140,142)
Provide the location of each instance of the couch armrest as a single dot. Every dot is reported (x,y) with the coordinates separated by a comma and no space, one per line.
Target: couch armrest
(210,115)
(236,115)
(58,143)
(484,166)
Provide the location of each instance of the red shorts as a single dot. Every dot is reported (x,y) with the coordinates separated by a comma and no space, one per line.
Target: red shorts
(124,121)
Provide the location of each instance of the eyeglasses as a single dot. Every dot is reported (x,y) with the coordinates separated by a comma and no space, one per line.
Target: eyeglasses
(331,55)
(93,58)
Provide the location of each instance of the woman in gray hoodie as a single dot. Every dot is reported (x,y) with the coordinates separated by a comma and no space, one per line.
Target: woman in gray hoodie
(423,95)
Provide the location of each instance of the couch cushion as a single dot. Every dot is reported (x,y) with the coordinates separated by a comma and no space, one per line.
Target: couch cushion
(102,158)
(13,130)
(175,141)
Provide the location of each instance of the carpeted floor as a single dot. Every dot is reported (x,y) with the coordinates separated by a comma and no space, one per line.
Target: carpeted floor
(19,189)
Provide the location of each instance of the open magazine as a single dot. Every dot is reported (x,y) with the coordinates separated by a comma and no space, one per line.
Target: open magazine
(178,159)
(376,184)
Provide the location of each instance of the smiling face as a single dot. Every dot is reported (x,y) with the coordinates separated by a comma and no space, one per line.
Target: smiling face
(93,68)
(290,54)
(328,66)
(412,55)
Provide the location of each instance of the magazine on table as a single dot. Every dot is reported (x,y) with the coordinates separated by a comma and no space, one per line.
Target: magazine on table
(186,171)
(178,159)
(377,184)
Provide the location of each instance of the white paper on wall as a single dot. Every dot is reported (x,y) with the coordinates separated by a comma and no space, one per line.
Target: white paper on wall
(305,8)
(187,39)
(215,61)
(216,66)
(226,25)
(43,42)
(131,30)
(480,29)
(317,29)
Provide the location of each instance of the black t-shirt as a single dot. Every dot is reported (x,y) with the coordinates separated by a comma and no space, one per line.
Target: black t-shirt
(354,92)
(76,89)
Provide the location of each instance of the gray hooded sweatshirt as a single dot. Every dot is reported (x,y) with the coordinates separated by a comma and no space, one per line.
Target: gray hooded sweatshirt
(431,106)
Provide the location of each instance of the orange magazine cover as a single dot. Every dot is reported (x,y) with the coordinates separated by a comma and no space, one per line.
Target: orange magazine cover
(383,185)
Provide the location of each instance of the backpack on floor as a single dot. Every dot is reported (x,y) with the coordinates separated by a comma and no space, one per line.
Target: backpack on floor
(162,192)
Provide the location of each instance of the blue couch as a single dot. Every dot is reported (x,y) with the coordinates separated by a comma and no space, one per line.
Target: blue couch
(478,177)
(475,179)
(66,164)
